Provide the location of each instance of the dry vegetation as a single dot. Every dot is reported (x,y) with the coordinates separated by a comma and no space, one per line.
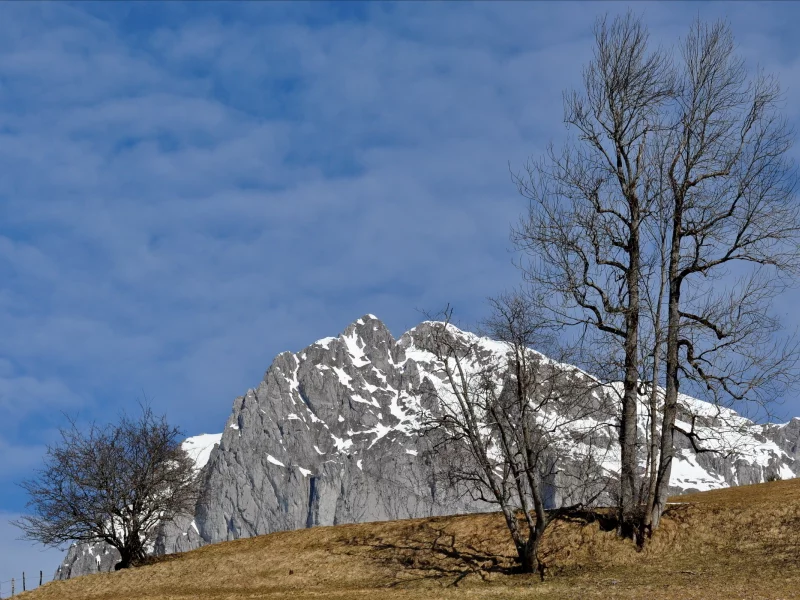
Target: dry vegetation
(737,543)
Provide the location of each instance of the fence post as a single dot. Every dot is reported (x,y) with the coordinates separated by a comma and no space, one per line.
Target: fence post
(23,581)
(40,579)
(12,586)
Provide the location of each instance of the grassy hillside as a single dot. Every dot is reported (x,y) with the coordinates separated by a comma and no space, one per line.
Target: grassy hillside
(737,543)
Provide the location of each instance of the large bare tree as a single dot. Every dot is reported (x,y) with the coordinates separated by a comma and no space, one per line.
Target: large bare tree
(588,203)
(663,231)
(112,484)
(734,224)
(515,429)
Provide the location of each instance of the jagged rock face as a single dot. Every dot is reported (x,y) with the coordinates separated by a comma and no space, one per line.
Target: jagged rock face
(787,436)
(330,436)
(82,559)
(746,452)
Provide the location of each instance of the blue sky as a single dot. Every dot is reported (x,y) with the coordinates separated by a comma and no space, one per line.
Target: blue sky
(188,190)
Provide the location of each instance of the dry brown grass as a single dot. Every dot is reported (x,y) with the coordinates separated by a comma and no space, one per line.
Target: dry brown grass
(737,543)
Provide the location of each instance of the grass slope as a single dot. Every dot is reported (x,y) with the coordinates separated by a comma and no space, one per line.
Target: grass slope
(736,543)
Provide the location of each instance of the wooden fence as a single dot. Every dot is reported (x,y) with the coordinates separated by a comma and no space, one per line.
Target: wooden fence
(12,586)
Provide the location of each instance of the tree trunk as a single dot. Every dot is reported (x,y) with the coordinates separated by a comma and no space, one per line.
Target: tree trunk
(528,555)
(671,392)
(652,481)
(628,424)
(667,441)
(126,560)
(130,556)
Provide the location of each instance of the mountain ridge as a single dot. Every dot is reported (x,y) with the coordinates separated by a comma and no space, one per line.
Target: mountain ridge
(329,436)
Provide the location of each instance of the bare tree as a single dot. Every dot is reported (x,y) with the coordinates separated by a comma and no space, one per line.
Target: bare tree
(518,432)
(734,226)
(587,207)
(664,234)
(112,484)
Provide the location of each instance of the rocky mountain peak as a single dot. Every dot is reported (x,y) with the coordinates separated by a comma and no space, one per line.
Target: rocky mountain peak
(330,435)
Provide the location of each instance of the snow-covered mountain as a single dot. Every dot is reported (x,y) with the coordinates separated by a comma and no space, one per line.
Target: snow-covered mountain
(199,447)
(330,436)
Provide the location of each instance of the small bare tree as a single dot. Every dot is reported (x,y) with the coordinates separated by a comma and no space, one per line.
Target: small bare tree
(112,484)
(514,428)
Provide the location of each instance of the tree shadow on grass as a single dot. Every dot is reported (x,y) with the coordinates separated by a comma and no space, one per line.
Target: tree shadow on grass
(430,552)
(157,559)
(605,518)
